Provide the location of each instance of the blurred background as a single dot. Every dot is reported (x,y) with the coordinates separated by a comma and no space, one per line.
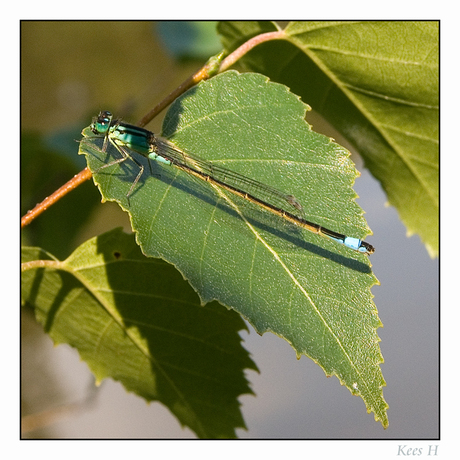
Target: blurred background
(72,70)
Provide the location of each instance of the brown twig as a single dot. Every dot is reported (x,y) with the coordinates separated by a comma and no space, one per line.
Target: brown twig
(213,66)
(81,177)
(207,71)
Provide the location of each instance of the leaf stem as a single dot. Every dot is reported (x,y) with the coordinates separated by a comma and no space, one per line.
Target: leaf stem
(248,46)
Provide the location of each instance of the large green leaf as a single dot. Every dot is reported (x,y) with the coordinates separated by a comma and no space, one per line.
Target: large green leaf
(377,83)
(303,287)
(136,320)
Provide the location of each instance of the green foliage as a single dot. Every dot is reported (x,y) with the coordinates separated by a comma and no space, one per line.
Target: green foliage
(134,319)
(303,287)
(377,83)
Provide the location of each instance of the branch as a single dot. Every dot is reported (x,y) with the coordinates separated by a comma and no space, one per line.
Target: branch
(81,177)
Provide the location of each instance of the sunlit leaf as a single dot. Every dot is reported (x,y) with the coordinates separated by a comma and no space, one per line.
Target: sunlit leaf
(378,84)
(311,291)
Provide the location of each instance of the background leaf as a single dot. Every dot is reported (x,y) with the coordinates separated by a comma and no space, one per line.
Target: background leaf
(377,83)
(304,288)
(190,39)
(150,333)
